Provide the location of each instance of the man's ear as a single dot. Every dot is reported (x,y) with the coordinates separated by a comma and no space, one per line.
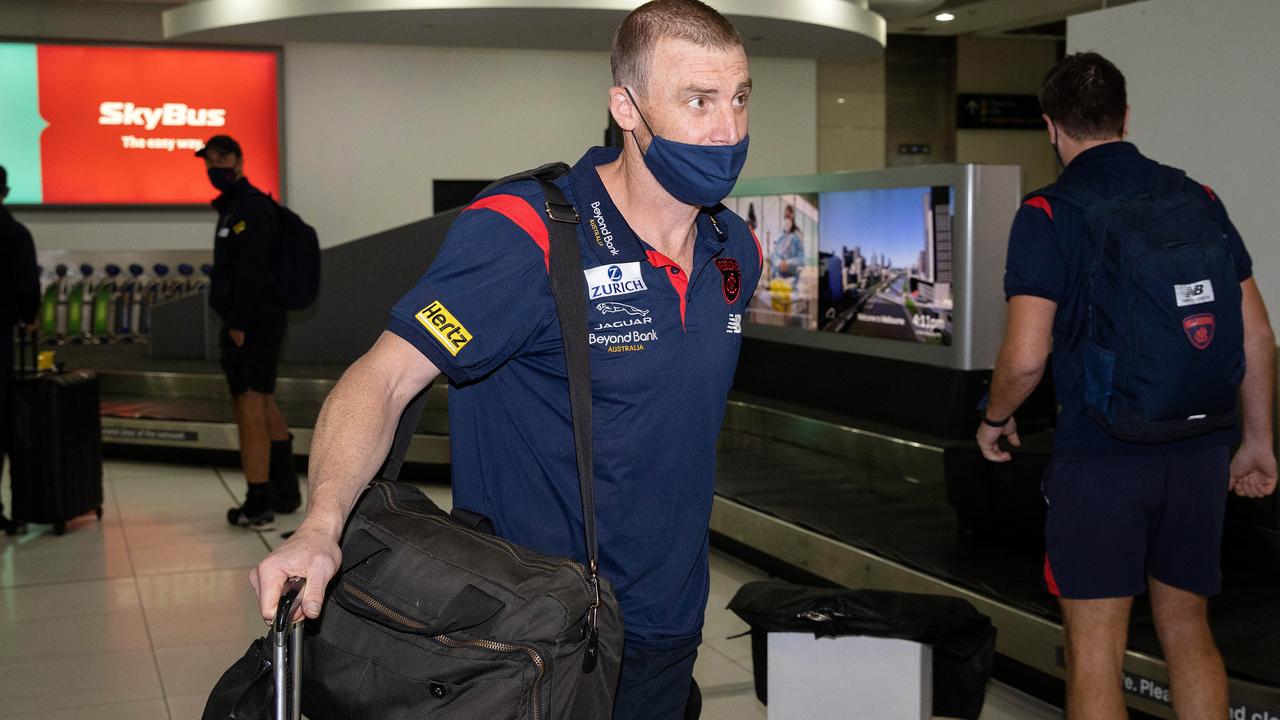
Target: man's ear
(239,166)
(1053,129)
(1124,129)
(623,111)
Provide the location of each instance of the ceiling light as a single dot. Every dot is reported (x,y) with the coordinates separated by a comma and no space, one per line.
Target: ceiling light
(944,17)
(840,101)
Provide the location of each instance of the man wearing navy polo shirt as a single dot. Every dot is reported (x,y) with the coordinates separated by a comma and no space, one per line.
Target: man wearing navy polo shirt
(668,271)
(1127,516)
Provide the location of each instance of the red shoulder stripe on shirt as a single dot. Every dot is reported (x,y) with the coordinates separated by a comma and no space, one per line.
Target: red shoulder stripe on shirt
(519,211)
(1212,197)
(759,250)
(1042,203)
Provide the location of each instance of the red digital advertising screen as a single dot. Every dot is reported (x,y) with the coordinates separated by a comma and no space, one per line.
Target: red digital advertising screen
(104,125)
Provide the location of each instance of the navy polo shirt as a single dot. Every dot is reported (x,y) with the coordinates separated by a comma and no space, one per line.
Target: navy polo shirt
(664,347)
(1050,250)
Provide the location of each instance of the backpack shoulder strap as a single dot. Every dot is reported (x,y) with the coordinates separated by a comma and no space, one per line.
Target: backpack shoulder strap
(543,173)
(1170,180)
(1075,195)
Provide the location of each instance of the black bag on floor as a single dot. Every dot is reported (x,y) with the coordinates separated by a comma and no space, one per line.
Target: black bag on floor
(55,446)
(431,617)
(962,638)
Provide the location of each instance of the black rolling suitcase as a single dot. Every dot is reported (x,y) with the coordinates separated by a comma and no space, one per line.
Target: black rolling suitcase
(55,447)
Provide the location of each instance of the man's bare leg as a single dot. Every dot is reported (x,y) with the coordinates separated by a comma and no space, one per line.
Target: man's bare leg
(277,428)
(1197,677)
(255,441)
(1096,634)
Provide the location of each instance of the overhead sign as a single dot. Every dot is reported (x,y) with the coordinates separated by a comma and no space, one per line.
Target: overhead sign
(998,112)
(112,125)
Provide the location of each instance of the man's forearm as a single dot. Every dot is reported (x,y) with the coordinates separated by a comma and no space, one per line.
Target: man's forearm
(1011,384)
(352,436)
(1257,392)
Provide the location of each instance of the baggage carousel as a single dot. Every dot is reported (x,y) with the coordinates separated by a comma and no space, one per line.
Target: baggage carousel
(856,504)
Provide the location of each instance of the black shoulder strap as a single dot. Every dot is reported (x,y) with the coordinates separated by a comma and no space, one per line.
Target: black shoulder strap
(1080,197)
(1170,181)
(569,290)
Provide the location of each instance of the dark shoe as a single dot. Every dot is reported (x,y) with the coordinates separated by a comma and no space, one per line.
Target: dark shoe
(263,521)
(10,527)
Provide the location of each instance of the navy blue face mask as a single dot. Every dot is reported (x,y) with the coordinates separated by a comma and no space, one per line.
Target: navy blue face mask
(699,175)
(222,178)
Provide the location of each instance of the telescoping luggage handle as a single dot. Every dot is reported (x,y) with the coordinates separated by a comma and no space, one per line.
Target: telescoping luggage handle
(286,653)
(28,334)
(569,289)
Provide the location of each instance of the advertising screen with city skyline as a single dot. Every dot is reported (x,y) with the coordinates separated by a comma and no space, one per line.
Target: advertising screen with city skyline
(884,263)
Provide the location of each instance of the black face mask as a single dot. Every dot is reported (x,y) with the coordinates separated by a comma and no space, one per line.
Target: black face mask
(222,178)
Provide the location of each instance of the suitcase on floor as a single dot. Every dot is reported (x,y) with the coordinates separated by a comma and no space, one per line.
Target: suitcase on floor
(55,448)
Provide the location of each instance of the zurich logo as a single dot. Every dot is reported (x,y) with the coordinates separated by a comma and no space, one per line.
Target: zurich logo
(615,273)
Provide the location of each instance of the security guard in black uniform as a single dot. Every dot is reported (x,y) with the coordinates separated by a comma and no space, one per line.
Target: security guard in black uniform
(242,292)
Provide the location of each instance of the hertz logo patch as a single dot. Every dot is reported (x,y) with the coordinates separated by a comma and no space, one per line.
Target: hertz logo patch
(238,227)
(444,327)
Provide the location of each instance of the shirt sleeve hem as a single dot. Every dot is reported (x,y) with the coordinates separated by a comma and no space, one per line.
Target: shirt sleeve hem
(410,333)
(1012,290)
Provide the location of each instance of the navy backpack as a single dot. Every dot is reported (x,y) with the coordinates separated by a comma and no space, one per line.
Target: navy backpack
(1165,349)
(297,262)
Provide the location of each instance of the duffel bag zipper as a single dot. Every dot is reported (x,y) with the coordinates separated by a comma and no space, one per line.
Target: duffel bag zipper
(446,640)
(510,549)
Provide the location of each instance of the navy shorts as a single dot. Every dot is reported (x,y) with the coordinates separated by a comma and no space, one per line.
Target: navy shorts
(252,366)
(1115,520)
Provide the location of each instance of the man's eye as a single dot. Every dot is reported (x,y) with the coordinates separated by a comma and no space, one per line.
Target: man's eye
(740,100)
(698,103)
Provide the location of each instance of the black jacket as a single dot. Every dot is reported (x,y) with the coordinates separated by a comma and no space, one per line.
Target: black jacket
(243,250)
(19,278)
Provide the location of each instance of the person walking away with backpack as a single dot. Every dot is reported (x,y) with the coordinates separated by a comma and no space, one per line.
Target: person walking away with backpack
(1143,287)
(243,293)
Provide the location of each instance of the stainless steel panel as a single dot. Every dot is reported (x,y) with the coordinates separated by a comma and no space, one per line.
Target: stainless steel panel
(985,200)
(223,436)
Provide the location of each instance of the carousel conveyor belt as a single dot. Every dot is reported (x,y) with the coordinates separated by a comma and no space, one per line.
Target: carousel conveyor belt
(869,509)
(858,505)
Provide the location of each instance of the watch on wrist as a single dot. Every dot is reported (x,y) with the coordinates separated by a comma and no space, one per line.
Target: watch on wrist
(995,423)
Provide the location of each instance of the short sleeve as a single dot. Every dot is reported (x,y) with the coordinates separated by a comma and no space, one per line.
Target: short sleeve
(485,294)
(1235,243)
(1034,265)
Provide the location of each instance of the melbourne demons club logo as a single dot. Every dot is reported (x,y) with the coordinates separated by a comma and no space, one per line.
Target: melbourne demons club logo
(731,277)
(1199,330)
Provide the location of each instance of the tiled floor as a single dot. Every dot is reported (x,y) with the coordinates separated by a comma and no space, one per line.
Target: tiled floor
(137,616)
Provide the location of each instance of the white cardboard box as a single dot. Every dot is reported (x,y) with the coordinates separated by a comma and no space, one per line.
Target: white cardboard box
(848,678)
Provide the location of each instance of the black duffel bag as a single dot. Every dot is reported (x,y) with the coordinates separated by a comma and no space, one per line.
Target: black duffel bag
(429,618)
(962,638)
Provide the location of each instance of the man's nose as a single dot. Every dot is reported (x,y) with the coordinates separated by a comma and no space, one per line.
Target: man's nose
(724,129)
